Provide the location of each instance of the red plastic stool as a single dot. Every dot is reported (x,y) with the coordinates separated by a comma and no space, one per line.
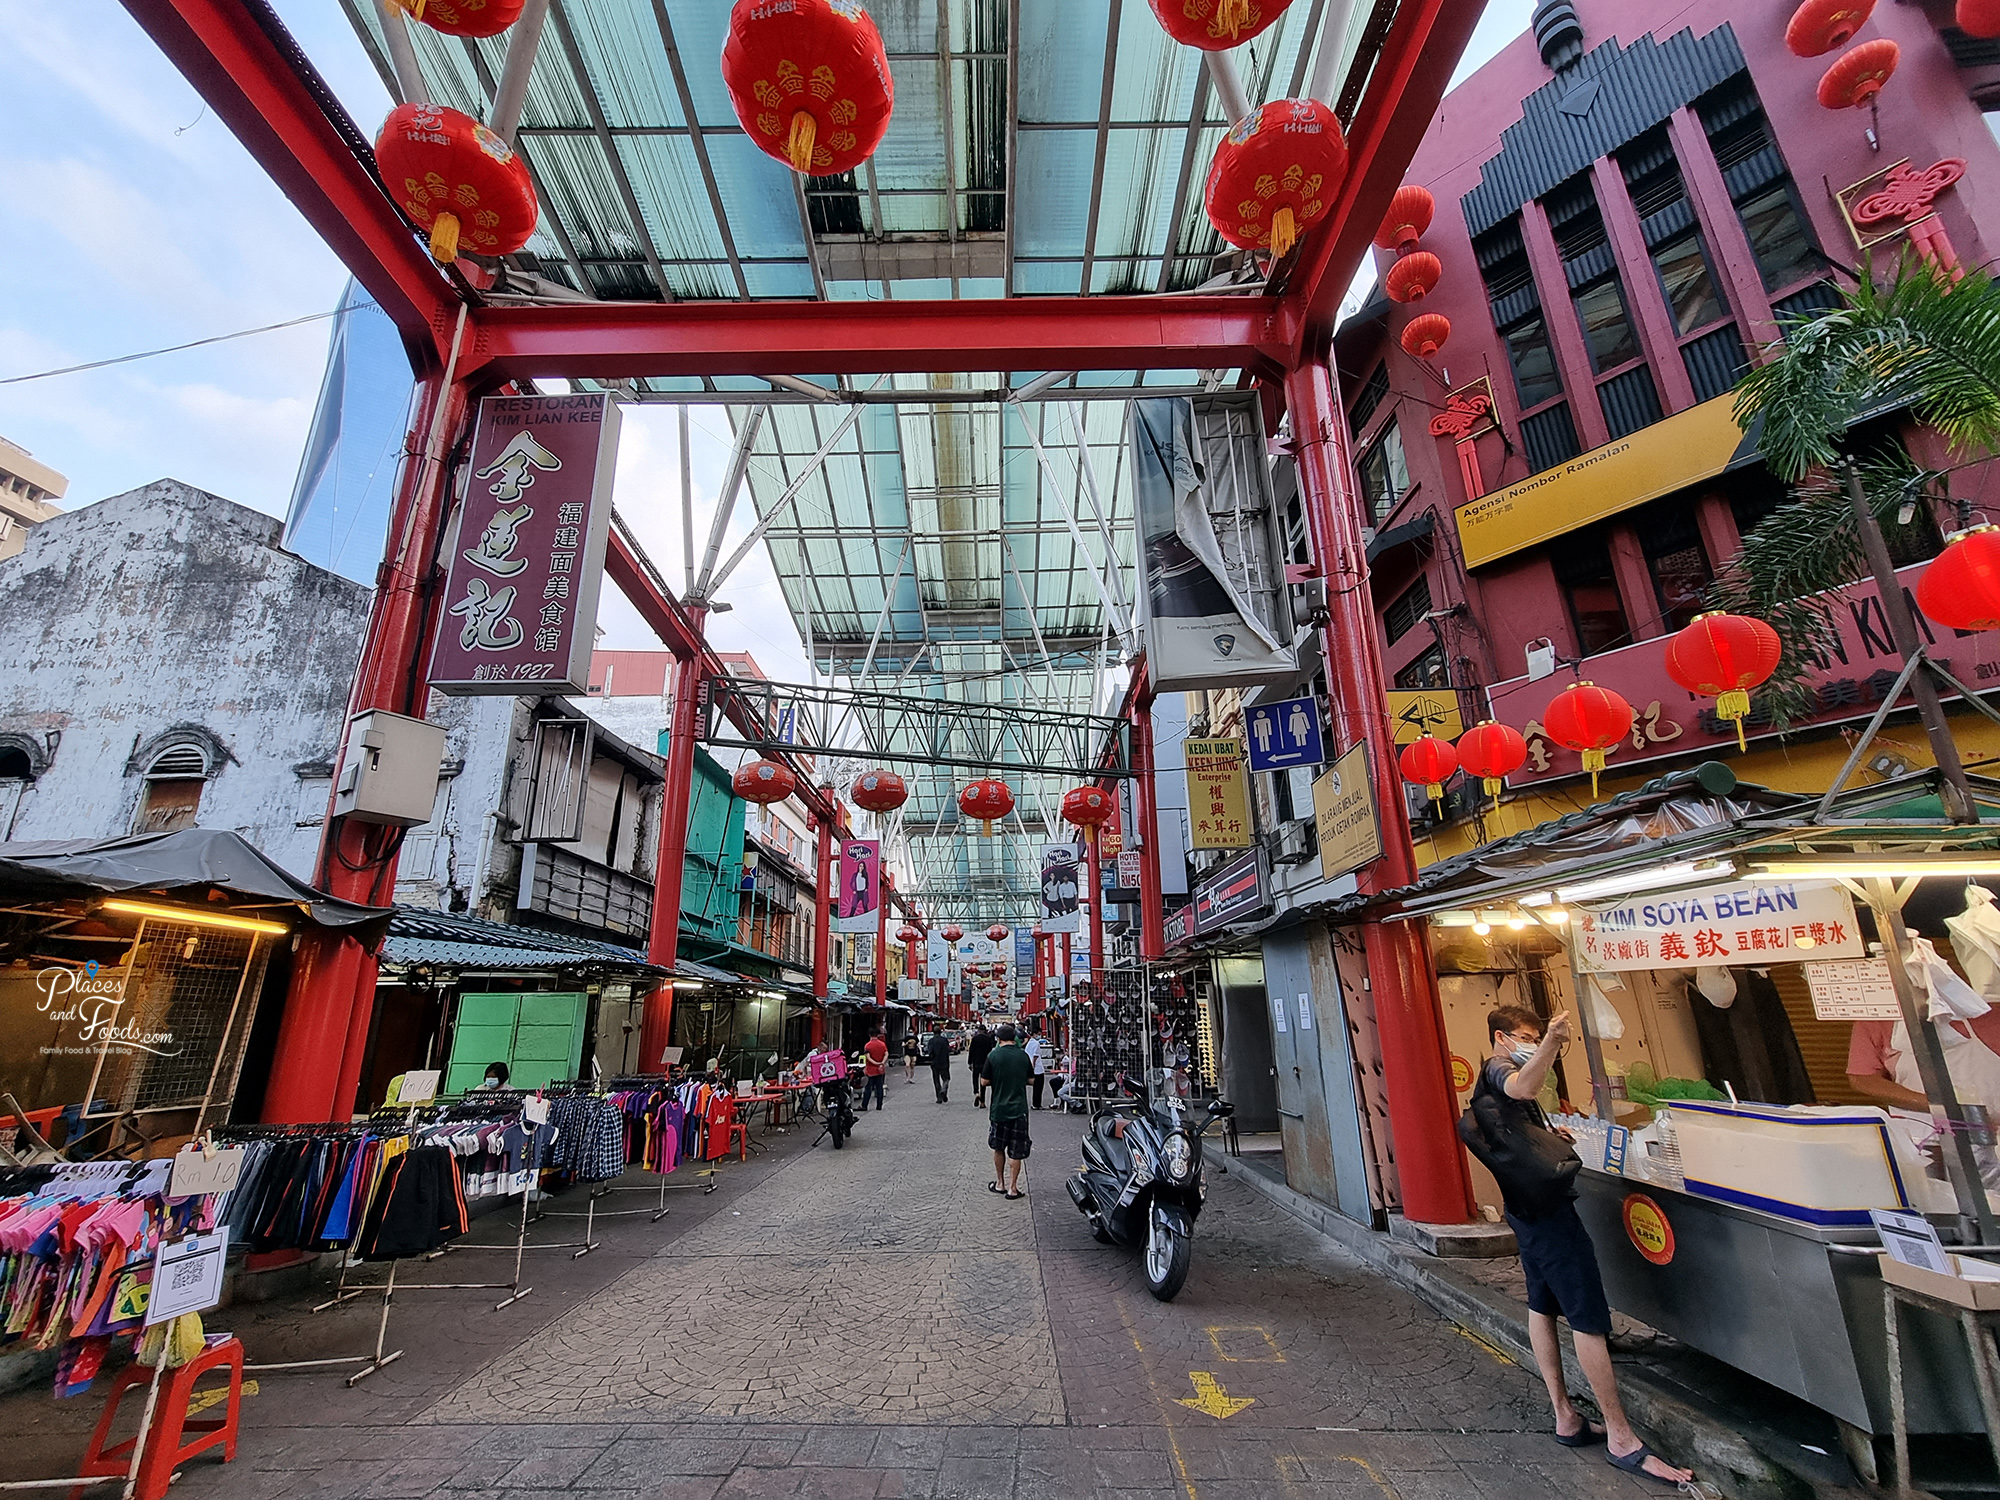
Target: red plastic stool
(165,1449)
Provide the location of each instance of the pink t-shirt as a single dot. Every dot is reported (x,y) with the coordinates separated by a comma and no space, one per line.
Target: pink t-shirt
(1868,1051)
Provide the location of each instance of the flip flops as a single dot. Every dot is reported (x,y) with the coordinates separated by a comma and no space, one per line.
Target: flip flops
(1013,1195)
(994,1187)
(1587,1438)
(1635,1463)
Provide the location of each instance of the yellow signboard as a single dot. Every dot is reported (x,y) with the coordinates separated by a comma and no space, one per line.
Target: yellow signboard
(1344,814)
(1697,444)
(1218,794)
(1425,711)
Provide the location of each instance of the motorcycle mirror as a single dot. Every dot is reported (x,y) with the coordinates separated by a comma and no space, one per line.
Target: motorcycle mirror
(1137,1091)
(1221,1108)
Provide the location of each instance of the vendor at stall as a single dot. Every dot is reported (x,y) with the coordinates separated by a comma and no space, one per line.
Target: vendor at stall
(1883,1069)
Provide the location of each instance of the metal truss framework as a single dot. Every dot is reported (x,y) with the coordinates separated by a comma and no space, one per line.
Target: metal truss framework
(795,719)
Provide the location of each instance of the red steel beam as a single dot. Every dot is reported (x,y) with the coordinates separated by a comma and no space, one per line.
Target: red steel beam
(245,76)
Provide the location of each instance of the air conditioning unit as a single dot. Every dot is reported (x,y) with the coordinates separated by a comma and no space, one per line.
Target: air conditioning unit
(1292,848)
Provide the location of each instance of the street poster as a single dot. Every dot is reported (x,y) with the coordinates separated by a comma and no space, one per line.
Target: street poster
(1062,881)
(522,582)
(860,885)
(1218,794)
(1286,734)
(1344,815)
(1748,922)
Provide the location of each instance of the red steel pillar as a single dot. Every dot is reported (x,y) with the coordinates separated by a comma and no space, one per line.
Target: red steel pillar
(663,939)
(822,926)
(888,884)
(1415,1059)
(316,1069)
(1093,864)
(1146,804)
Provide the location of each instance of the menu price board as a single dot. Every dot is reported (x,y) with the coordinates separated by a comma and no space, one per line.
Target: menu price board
(1854,989)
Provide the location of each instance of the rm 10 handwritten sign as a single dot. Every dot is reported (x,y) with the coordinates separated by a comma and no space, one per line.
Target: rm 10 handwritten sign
(1745,923)
(521,598)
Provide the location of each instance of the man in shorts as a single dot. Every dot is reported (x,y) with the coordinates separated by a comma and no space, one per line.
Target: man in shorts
(1005,1073)
(875,1070)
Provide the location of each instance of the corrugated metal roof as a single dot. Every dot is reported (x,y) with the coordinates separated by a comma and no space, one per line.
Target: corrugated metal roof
(417,936)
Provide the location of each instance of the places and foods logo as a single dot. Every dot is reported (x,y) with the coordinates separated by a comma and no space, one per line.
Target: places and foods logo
(92,999)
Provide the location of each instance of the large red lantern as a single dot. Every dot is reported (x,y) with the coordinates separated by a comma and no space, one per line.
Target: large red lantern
(1979,17)
(457,179)
(1589,720)
(987,800)
(809,81)
(1275,175)
(880,791)
(1414,277)
(1722,656)
(1088,807)
(1858,75)
(1961,587)
(1429,762)
(953,933)
(1492,752)
(764,781)
(1426,335)
(907,935)
(1410,214)
(998,933)
(464,17)
(1818,26)
(1216,25)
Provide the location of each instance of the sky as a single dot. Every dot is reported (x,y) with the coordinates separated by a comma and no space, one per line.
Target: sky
(138,222)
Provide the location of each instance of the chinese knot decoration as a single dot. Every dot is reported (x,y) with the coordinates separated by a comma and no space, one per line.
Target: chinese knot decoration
(764,781)
(1911,196)
(1467,413)
(1818,26)
(1275,175)
(999,934)
(1961,587)
(1857,76)
(1429,762)
(880,791)
(1589,720)
(987,800)
(1216,25)
(809,81)
(1088,807)
(1722,656)
(1492,752)
(463,17)
(457,179)
(1426,335)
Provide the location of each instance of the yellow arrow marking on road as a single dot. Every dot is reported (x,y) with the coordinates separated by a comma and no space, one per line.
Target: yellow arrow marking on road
(1211,1399)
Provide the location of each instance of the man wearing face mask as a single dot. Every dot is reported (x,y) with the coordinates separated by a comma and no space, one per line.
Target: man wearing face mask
(1557,1256)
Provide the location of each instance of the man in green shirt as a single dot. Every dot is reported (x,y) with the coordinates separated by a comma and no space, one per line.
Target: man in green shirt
(1006,1072)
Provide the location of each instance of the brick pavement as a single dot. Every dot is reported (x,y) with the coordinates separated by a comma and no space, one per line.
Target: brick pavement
(874,1322)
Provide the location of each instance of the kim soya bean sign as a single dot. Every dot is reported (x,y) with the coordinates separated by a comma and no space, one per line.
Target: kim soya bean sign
(520,603)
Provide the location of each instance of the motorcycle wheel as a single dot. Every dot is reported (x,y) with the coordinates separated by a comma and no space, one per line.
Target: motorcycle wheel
(1169,1250)
(838,1132)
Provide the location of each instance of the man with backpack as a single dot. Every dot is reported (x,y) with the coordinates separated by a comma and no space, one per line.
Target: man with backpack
(1536,1169)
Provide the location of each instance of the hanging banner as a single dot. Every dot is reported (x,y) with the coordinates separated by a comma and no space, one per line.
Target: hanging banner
(1024,947)
(1062,881)
(1218,794)
(1214,609)
(1744,923)
(937,954)
(521,590)
(860,885)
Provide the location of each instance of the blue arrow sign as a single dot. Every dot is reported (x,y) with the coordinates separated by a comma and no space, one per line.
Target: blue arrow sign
(1283,735)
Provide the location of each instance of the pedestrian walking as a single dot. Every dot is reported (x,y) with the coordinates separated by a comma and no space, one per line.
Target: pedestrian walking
(1556,1251)
(911,1051)
(940,1061)
(1005,1071)
(976,1052)
(875,1071)
(1038,1055)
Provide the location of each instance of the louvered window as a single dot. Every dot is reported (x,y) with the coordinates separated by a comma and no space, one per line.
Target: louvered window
(178,761)
(1766,199)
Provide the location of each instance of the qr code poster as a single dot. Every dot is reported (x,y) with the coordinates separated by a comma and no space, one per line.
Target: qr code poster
(187,1275)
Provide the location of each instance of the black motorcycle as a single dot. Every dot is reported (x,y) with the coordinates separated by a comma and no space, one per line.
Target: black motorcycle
(836,1099)
(1140,1182)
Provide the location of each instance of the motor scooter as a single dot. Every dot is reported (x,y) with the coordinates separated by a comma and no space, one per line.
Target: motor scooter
(1141,1181)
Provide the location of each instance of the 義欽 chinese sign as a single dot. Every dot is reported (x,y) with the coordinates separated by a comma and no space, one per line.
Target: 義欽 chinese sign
(521,595)
(1218,794)
(1745,923)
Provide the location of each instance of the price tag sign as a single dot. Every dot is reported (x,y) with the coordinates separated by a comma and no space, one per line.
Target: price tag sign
(198,1171)
(536,1109)
(1911,1239)
(187,1275)
(419,1086)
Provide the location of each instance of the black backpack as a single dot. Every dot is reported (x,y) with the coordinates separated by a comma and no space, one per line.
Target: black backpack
(1535,1167)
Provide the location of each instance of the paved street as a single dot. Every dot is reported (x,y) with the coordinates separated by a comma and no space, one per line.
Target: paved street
(874,1322)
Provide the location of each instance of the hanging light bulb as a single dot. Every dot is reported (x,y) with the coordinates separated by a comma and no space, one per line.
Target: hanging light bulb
(1482,927)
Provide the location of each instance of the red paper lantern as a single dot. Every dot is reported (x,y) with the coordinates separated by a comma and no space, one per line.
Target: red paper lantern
(1410,214)
(809,81)
(764,781)
(880,791)
(1722,656)
(1858,75)
(1088,807)
(953,933)
(907,935)
(457,179)
(1589,720)
(1961,587)
(1426,335)
(1818,26)
(1216,25)
(987,800)
(1429,762)
(1414,277)
(1275,175)
(463,17)
(999,934)
(1979,17)
(1492,752)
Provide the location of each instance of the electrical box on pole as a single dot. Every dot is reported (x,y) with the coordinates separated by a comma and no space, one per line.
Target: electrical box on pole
(390,771)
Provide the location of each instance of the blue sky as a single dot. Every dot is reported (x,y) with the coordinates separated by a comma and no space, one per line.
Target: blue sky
(137,221)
